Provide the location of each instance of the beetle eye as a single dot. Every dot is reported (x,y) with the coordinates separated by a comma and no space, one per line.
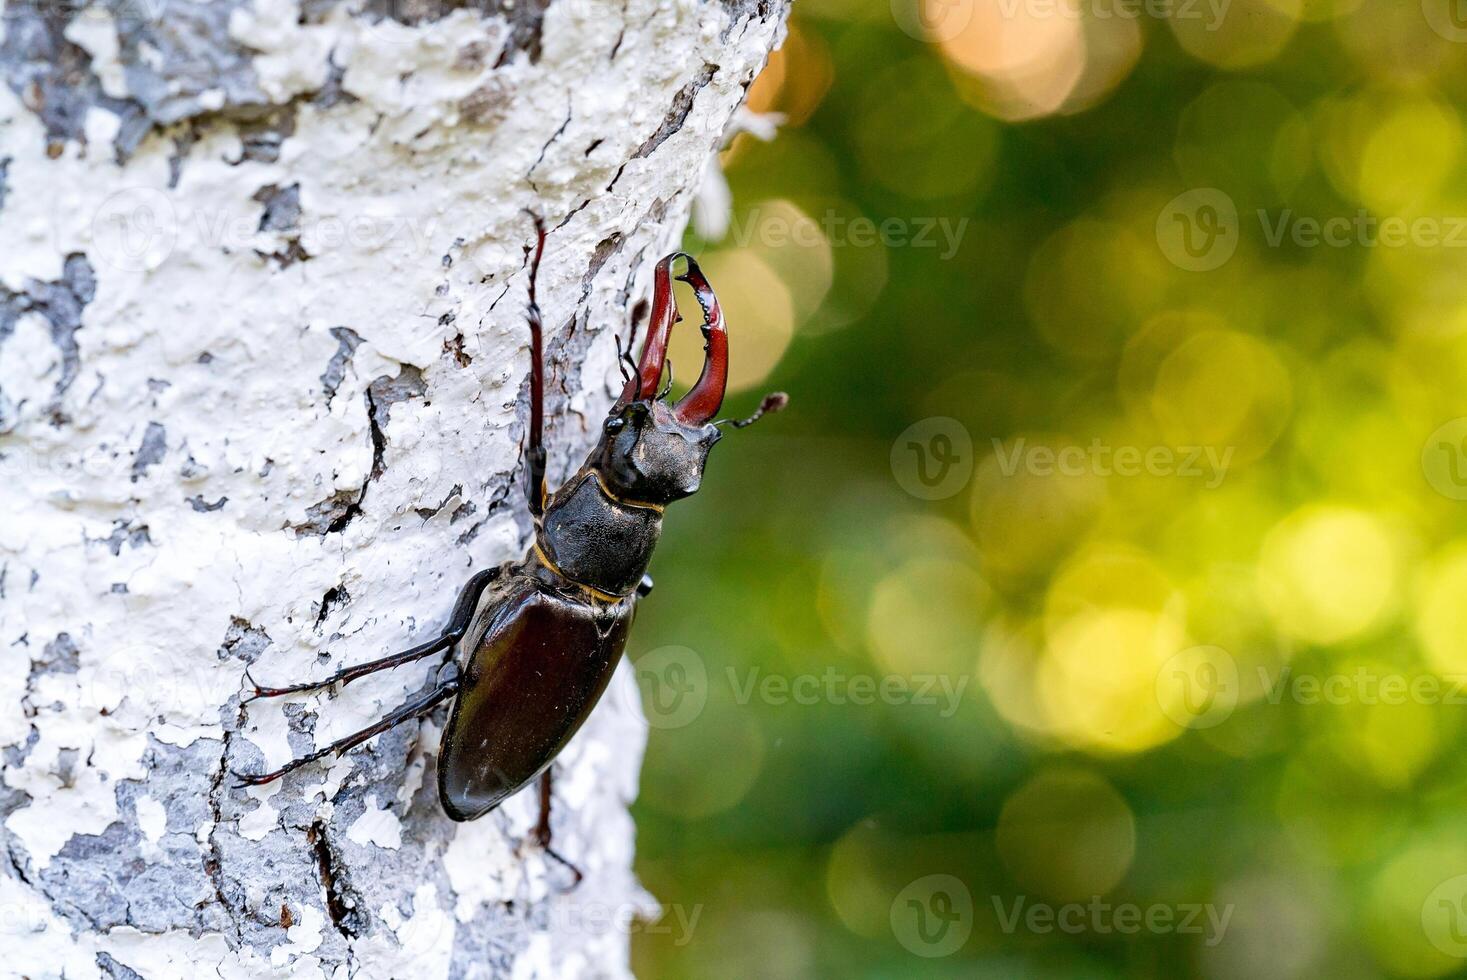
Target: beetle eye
(615,424)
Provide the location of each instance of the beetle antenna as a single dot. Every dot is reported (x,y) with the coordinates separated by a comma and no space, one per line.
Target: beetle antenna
(667,387)
(623,360)
(773,402)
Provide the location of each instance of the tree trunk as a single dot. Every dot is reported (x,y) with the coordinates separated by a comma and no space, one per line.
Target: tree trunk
(263,365)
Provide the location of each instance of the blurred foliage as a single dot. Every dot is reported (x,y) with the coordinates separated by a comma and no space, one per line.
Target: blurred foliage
(1127,352)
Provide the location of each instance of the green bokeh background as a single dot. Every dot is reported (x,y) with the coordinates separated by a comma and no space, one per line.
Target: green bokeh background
(1176,688)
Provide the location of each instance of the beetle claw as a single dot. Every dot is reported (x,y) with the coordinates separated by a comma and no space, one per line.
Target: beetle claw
(243,781)
(257,691)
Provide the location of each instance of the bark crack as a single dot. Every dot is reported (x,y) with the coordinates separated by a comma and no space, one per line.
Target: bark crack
(341,901)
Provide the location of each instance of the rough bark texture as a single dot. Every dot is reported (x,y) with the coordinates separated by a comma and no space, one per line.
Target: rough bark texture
(262,385)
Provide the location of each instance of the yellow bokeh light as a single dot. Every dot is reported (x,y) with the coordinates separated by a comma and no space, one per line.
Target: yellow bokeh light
(793,244)
(1405,923)
(1098,680)
(1067,835)
(856,878)
(1026,61)
(1400,41)
(1441,612)
(1110,576)
(926,617)
(1147,349)
(1249,32)
(916,140)
(796,77)
(758,310)
(1225,390)
(1329,573)
(1008,658)
(1394,743)
(1027,517)
(1411,152)
(1088,285)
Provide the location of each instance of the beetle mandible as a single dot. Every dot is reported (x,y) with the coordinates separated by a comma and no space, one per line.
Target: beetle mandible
(535,642)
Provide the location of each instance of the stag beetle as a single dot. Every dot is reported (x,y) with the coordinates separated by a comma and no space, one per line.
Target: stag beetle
(534,642)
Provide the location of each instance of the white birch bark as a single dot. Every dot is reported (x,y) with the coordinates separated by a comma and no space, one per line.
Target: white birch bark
(262,391)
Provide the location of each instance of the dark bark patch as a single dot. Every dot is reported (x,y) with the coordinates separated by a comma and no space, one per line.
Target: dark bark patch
(347,342)
(150,451)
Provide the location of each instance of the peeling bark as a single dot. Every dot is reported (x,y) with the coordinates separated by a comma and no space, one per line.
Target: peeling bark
(263,371)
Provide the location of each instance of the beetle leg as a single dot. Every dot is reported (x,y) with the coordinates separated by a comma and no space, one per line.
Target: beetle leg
(458,625)
(541,833)
(407,712)
(535,453)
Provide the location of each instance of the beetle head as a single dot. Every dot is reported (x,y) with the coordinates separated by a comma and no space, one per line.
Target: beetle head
(650,451)
(653,452)
(647,454)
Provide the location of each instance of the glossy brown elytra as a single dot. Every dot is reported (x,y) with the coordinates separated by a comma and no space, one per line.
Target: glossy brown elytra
(535,642)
